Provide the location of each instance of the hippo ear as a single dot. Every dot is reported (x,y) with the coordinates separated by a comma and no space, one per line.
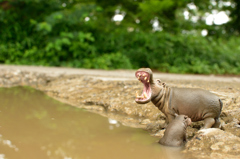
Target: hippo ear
(175,115)
(159,81)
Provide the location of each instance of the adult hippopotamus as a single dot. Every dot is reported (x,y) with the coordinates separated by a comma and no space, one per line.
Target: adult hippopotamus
(175,133)
(197,104)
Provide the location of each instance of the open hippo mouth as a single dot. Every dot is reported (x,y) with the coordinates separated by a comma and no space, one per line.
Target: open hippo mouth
(145,97)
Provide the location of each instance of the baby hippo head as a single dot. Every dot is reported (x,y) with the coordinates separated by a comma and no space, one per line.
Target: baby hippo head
(183,119)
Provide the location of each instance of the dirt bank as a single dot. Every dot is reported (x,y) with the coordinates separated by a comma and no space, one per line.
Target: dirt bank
(112,94)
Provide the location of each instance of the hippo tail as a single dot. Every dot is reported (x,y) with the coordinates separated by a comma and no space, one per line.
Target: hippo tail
(217,120)
(221,106)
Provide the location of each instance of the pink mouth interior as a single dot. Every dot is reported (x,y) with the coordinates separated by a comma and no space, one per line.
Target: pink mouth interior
(144,77)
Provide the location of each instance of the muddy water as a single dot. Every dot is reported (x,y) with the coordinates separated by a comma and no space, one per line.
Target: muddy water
(34,126)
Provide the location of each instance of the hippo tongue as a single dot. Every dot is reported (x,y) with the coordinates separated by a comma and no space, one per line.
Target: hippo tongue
(144,78)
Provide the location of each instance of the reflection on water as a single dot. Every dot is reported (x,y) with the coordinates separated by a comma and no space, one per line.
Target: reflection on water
(34,126)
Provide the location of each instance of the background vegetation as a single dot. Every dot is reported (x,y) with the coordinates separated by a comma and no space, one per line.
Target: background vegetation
(84,33)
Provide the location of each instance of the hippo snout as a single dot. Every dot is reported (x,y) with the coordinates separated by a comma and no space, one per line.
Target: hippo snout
(189,121)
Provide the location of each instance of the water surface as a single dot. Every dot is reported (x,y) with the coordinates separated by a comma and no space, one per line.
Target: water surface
(34,126)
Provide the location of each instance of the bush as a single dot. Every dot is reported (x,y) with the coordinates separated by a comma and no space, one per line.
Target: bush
(108,61)
(62,37)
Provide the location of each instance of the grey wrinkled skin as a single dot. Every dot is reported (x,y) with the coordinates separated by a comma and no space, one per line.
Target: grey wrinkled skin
(175,133)
(197,104)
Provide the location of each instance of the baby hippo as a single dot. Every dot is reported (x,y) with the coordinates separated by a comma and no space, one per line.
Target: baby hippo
(175,133)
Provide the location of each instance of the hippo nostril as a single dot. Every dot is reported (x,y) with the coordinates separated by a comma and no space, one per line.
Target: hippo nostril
(159,81)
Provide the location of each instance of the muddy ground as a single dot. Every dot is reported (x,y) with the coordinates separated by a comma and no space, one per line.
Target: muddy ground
(112,94)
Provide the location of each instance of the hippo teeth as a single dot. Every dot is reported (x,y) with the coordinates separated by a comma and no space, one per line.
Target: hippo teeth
(144,78)
(142,96)
(138,96)
(145,95)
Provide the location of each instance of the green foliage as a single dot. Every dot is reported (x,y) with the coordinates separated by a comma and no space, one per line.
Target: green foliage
(108,61)
(180,53)
(79,33)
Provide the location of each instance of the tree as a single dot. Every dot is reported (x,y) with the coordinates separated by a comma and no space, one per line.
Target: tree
(162,34)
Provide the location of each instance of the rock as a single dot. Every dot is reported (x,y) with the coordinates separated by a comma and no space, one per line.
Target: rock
(159,134)
(154,127)
(214,141)
(146,121)
(223,156)
(96,108)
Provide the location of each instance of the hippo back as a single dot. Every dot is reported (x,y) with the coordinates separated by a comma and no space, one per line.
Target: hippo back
(195,103)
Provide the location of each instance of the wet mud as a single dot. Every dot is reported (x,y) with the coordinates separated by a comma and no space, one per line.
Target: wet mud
(112,94)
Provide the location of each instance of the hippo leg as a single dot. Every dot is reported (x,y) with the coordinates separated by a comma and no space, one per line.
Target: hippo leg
(217,123)
(170,118)
(208,123)
(166,123)
(185,138)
